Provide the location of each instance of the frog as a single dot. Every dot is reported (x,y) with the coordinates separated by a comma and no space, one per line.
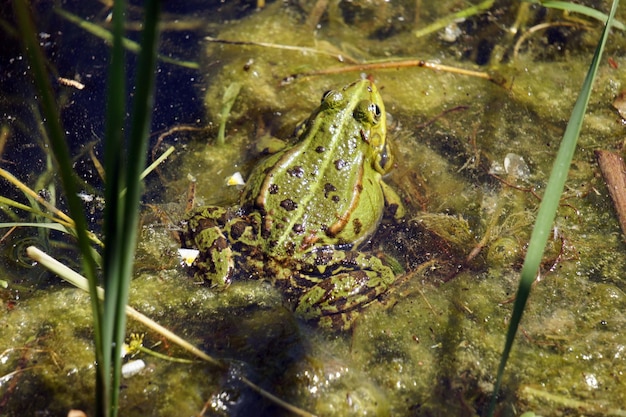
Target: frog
(305,211)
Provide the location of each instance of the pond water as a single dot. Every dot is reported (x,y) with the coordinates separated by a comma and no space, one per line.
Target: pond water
(472,154)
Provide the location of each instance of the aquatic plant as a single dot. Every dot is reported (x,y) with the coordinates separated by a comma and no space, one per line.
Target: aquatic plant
(549,204)
(124,161)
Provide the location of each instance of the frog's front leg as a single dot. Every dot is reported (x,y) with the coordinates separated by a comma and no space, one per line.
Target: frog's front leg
(393,202)
(204,230)
(355,280)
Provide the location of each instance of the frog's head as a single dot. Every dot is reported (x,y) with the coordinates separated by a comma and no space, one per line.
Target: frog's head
(359,108)
(369,112)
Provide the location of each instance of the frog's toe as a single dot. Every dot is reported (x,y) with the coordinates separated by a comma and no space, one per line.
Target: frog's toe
(339,322)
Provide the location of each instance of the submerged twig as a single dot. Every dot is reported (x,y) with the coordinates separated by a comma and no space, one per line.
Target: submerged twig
(539,27)
(339,57)
(170,131)
(614,173)
(316,13)
(369,66)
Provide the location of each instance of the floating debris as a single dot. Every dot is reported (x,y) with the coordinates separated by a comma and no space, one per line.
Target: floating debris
(132,368)
(515,166)
(235,180)
(188,256)
(71,83)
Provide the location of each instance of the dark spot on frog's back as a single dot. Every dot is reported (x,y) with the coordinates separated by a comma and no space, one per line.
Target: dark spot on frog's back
(221,243)
(323,257)
(209,219)
(350,258)
(358,226)
(290,248)
(237,229)
(298,228)
(288,204)
(320,149)
(340,164)
(329,188)
(203,224)
(273,189)
(296,171)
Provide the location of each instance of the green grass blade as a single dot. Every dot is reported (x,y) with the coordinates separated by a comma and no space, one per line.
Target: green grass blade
(113,223)
(61,153)
(580,9)
(107,36)
(446,20)
(49,226)
(10,203)
(230,95)
(153,166)
(549,205)
(137,149)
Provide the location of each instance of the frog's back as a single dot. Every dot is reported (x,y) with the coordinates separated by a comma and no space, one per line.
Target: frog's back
(323,190)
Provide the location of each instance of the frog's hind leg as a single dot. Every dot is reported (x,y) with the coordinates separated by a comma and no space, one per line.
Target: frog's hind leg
(355,280)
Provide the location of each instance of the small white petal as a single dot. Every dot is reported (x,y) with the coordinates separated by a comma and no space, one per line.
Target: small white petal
(188,256)
(132,368)
(235,179)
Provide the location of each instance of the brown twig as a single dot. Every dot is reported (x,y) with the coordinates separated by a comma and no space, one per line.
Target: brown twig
(371,66)
(539,27)
(339,57)
(614,173)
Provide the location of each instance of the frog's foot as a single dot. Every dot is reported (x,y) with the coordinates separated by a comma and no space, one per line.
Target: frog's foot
(215,262)
(335,301)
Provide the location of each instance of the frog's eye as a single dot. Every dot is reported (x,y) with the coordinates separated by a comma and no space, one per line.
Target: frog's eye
(332,99)
(367,112)
(375,110)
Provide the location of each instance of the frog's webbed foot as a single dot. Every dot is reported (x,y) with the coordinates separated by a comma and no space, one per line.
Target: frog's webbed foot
(357,279)
(203,230)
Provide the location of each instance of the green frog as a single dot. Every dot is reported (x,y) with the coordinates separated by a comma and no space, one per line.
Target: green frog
(305,210)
